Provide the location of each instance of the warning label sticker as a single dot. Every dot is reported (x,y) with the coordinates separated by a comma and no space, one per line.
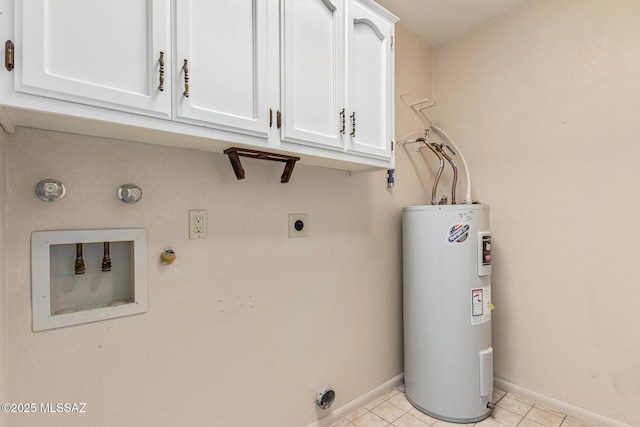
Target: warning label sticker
(458,233)
(480,305)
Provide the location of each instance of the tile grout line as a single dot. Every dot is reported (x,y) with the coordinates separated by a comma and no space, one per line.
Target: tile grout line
(531,409)
(524,417)
(562,422)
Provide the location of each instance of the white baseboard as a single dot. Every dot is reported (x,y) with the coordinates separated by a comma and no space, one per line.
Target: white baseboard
(354,405)
(550,402)
(558,405)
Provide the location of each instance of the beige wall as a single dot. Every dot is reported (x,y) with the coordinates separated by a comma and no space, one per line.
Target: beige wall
(544,103)
(247,325)
(413,83)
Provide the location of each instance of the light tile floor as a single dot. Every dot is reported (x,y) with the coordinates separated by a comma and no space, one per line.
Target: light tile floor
(394,410)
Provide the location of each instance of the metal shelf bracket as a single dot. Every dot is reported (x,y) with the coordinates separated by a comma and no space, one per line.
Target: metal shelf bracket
(235,153)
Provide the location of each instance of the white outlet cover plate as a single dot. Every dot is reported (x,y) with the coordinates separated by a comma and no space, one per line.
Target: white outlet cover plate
(194,216)
(292,225)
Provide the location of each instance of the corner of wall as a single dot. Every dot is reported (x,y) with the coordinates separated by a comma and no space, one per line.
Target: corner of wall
(3,270)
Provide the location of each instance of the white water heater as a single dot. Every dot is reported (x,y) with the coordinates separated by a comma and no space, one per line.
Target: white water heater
(448,358)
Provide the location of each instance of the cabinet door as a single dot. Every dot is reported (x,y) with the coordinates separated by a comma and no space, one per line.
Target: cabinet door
(96,52)
(223,44)
(370,80)
(312,77)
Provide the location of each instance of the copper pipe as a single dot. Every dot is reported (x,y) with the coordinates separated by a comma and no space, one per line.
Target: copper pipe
(106,259)
(438,174)
(79,265)
(455,172)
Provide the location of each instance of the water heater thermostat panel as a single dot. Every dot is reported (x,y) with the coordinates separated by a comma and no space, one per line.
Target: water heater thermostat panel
(484,253)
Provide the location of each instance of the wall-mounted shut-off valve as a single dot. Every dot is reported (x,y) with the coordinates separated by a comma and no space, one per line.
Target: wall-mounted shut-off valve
(168,256)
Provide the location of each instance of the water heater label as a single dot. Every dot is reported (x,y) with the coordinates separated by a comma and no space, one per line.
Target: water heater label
(480,305)
(458,233)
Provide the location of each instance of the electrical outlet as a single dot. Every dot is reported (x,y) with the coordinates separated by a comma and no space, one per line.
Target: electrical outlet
(298,225)
(198,224)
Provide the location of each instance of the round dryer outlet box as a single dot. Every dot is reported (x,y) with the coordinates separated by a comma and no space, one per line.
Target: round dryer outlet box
(325,398)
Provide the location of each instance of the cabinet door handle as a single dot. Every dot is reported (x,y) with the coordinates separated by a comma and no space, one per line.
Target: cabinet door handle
(161,62)
(342,119)
(353,124)
(8,55)
(185,68)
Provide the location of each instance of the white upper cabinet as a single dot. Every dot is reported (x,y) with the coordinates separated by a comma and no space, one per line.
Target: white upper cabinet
(312,77)
(370,81)
(220,74)
(104,53)
(337,85)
